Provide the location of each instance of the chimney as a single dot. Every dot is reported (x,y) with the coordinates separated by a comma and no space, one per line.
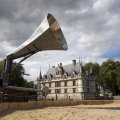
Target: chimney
(73,62)
(60,64)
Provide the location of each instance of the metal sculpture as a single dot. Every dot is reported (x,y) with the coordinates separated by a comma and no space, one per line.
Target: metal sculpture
(48,36)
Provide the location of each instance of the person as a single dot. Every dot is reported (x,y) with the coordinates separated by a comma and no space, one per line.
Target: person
(52,99)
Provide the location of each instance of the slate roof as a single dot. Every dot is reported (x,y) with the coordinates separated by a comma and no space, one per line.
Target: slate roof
(66,68)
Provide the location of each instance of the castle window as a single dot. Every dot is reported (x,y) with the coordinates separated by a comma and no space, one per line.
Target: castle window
(49,84)
(45,77)
(56,72)
(87,89)
(57,84)
(74,90)
(65,90)
(73,74)
(65,75)
(50,77)
(58,91)
(74,83)
(87,83)
(65,83)
(83,82)
(49,91)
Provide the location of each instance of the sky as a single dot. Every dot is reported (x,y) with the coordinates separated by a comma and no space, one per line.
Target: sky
(91,29)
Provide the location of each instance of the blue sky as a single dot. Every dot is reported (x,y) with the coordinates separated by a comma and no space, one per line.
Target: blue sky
(91,29)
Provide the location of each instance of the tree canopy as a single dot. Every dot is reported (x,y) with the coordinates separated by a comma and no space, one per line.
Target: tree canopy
(109,76)
(92,68)
(16,76)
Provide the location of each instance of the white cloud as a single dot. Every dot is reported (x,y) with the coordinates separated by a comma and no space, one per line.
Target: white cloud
(91,28)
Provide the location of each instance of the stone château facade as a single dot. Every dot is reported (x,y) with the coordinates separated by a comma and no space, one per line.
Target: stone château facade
(68,82)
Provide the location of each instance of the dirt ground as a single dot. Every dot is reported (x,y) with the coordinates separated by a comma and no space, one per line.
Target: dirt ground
(80,112)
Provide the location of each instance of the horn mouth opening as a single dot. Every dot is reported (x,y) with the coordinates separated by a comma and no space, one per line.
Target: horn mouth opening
(55,27)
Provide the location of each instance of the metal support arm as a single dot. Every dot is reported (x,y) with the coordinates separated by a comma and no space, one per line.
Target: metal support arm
(7,69)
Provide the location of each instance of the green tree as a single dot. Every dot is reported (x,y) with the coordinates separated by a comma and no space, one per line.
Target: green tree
(16,76)
(109,76)
(117,65)
(29,84)
(92,68)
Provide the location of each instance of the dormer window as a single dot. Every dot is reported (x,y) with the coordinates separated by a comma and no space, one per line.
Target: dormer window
(50,77)
(45,76)
(73,74)
(65,75)
(59,71)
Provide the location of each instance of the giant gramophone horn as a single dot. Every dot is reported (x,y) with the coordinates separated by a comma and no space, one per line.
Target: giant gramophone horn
(48,36)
